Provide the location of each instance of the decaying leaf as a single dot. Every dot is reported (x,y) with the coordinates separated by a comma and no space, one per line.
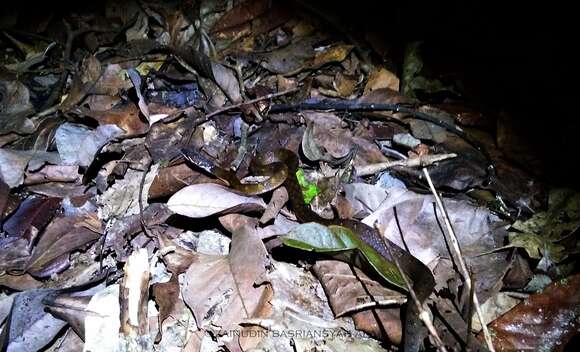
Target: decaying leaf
(13,163)
(122,199)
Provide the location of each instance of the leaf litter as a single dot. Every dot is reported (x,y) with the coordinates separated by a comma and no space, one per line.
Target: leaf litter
(112,240)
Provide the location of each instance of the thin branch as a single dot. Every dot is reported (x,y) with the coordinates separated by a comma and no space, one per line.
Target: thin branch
(457,251)
(423,314)
(235,106)
(420,161)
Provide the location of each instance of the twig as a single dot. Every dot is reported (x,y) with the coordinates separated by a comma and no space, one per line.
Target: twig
(420,161)
(457,251)
(235,106)
(141,186)
(423,314)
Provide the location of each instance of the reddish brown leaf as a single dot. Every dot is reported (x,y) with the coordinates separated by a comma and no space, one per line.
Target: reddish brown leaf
(166,296)
(125,117)
(173,178)
(544,322)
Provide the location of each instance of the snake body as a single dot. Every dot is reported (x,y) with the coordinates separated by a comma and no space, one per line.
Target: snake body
(283,171)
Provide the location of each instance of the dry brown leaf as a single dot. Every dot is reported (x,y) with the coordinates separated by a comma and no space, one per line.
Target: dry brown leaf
(241,13)
(177,258)
(381,79)
(225,290)
(279,198)
(348,293)
(62,236)
(166,296)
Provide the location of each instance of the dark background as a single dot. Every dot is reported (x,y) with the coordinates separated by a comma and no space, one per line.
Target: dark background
(515,58)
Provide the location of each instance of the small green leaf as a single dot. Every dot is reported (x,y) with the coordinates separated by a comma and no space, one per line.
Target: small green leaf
(342,244)
(309,190)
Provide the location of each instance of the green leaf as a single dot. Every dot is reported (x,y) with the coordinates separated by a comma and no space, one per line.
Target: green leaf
(548,233)
(342,244)
(309,190)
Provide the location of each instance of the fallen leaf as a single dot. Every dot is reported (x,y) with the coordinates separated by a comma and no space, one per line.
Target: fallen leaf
(225,290)
(14,163)
(364,198)
(333,53)
(381,78)
(125,116)
(61,237)
(33,214)
(102,322)
(494,307)
(70,308)
(166,296)
(14,105)
(279,198)
(202,200)
(122,198)
(29,327)
(20,282)
(78,145)
(241,13)
(351,292)
(544,321)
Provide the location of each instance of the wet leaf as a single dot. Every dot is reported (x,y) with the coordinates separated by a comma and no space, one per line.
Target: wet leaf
(202,200)
(544,321)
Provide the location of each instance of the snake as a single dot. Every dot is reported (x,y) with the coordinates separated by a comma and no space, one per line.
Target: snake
(283,172)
